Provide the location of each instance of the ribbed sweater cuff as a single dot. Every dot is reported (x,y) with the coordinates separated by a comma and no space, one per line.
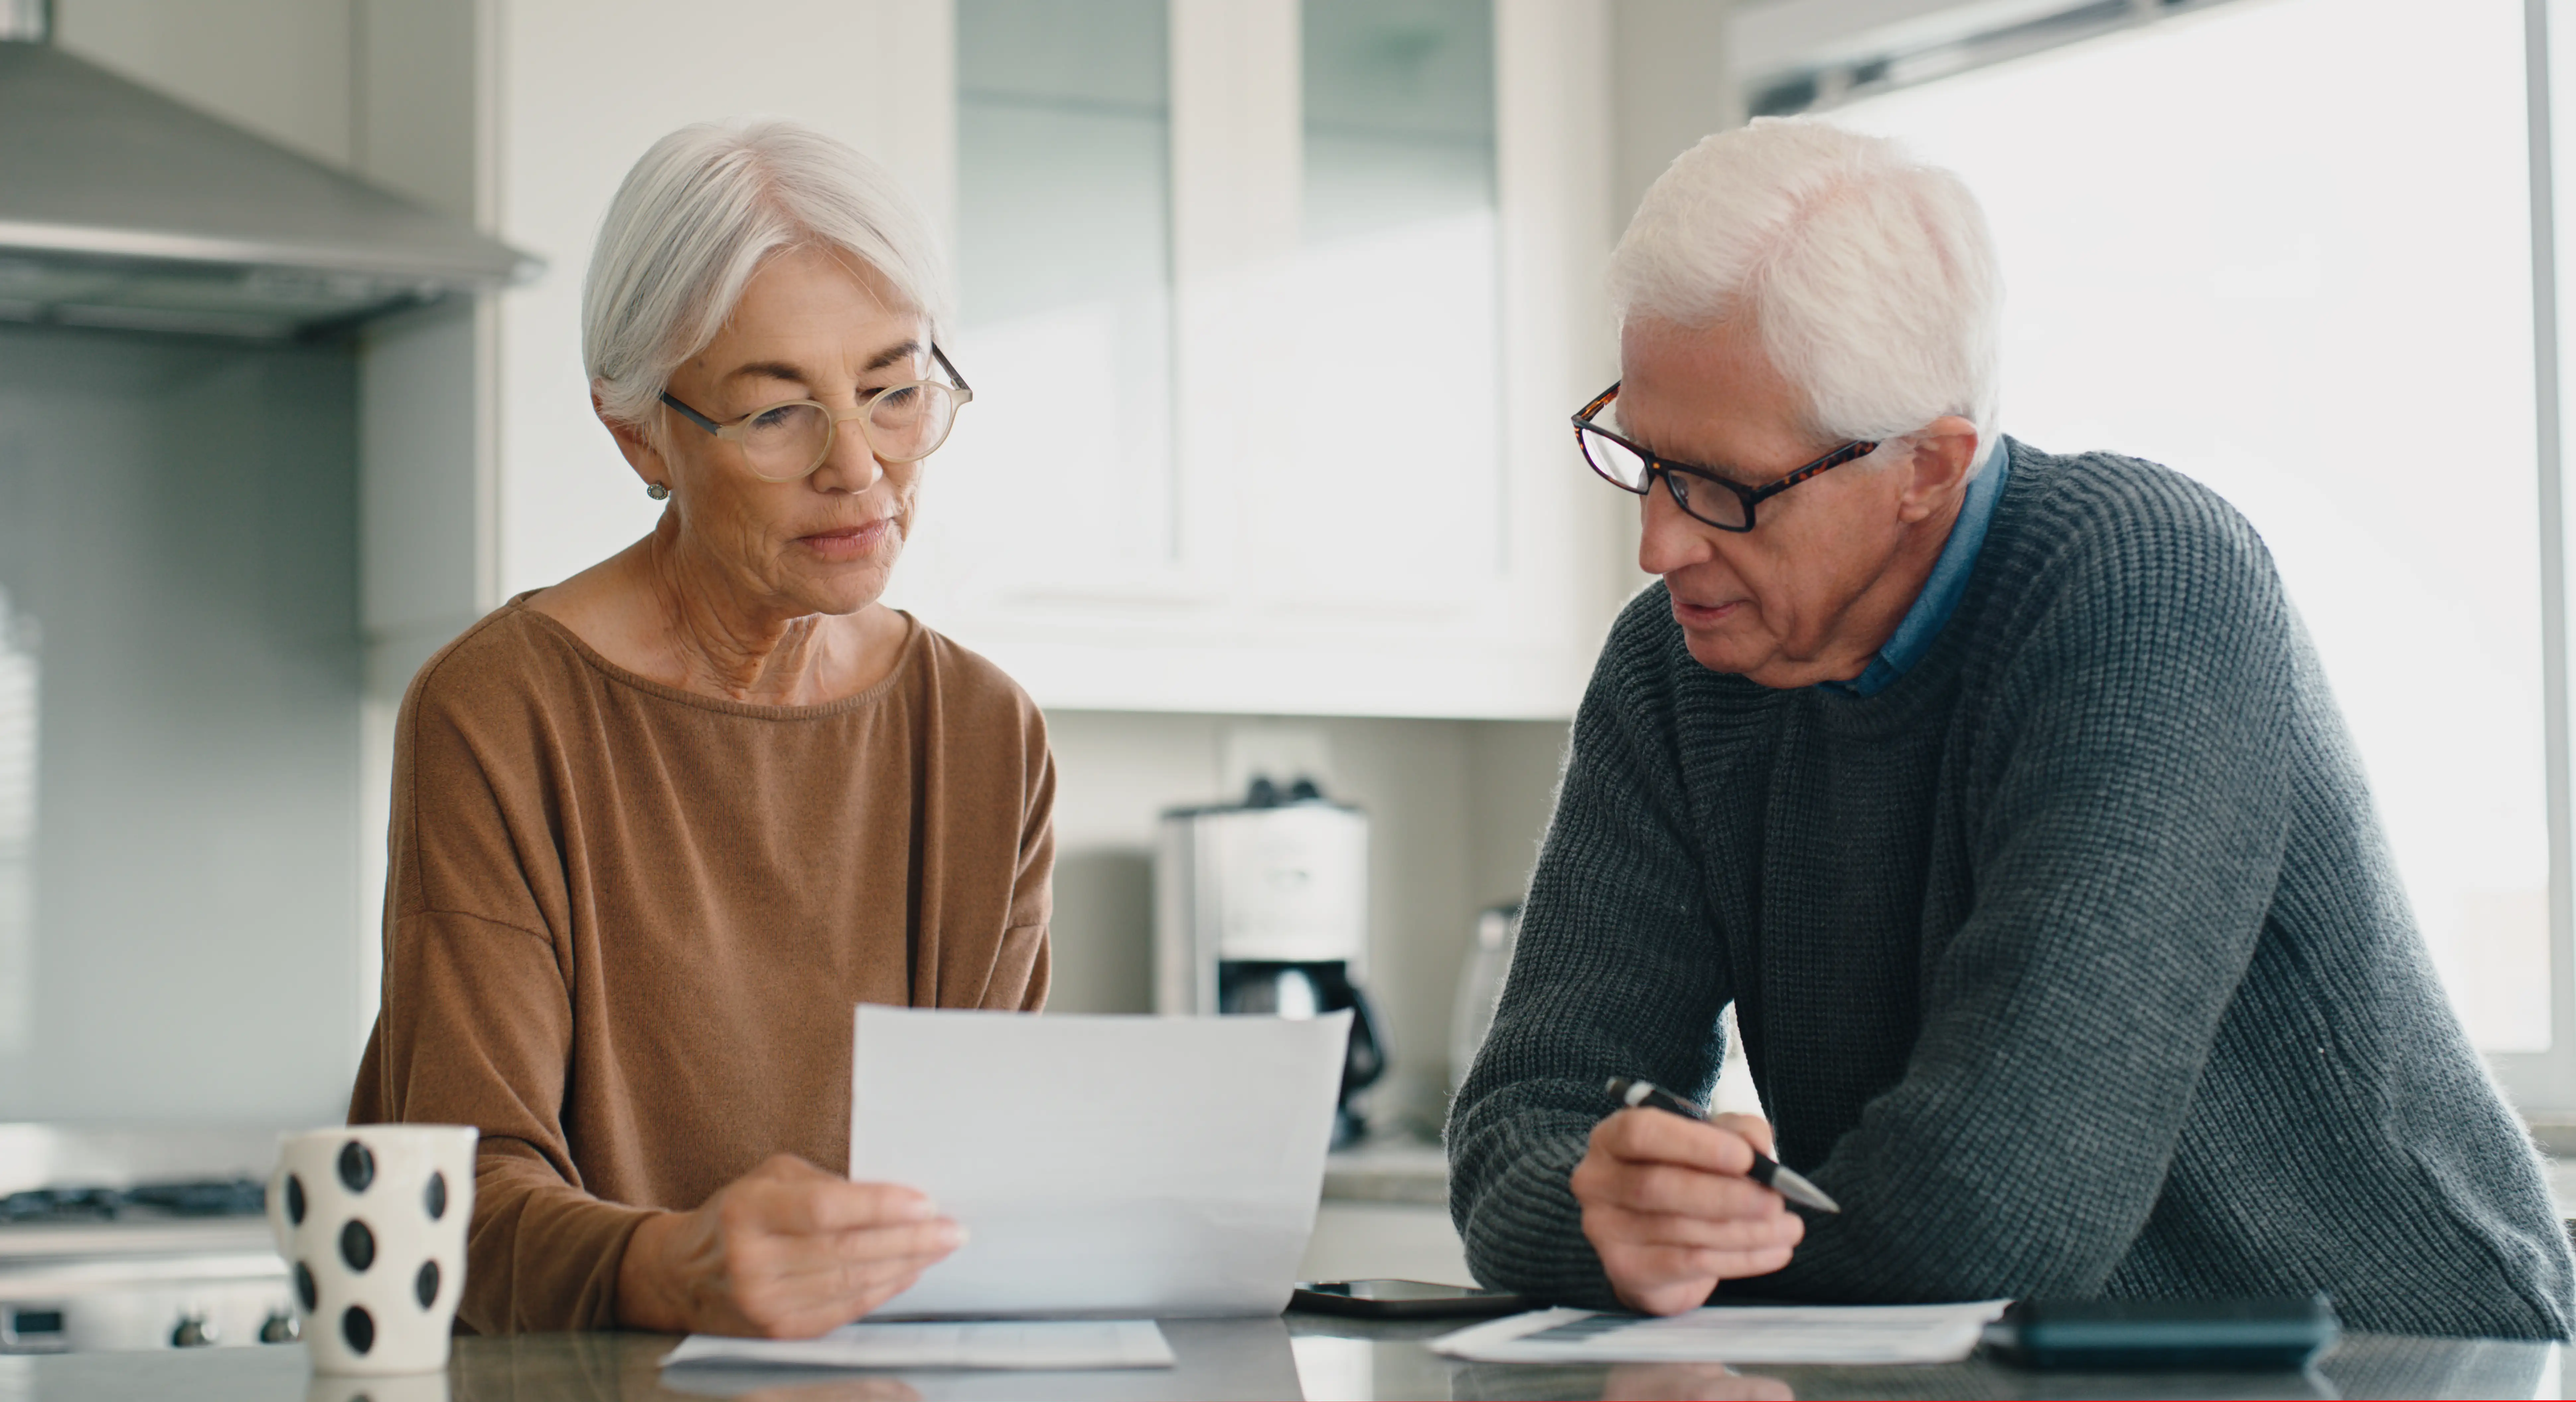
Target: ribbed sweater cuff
(1525,1230)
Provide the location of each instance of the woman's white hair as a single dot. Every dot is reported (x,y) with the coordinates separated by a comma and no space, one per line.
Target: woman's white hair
(695,219)
(1869,275)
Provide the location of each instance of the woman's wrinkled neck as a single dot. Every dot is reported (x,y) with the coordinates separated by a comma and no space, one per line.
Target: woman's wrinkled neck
(725,635)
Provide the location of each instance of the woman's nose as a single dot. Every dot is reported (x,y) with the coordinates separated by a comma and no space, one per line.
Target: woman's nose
(1670,539)
(850,465)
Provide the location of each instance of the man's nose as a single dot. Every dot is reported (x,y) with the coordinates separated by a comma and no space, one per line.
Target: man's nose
(1670,540)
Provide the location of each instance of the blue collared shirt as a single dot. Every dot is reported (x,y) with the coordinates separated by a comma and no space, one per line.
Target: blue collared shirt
(1948,580)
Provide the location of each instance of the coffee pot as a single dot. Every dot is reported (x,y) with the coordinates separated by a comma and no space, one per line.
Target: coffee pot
(1261,907)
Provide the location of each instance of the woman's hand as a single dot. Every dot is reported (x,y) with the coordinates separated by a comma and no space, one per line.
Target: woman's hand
(1667,1205)
(786,1251)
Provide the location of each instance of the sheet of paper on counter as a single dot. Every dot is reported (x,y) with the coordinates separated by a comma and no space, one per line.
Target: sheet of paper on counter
(1048,1344)
(1731,1334)
(1102,1166)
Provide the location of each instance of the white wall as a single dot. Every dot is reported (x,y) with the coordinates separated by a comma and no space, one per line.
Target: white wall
(1456,809)
(1671,85)
(178,518)
(399,92)
(277,67)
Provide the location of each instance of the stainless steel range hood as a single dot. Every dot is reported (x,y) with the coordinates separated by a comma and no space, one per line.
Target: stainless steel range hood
(121,208)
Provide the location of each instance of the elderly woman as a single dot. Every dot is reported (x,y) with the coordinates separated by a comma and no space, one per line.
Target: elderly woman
(2001,796)
(659,827)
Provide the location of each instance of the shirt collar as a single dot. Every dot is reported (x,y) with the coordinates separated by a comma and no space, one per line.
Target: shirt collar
(1922,623)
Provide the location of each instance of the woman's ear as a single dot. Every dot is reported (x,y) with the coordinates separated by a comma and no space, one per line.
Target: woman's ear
(638,447)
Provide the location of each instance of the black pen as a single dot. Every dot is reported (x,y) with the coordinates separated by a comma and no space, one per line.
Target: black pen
(1787,1182)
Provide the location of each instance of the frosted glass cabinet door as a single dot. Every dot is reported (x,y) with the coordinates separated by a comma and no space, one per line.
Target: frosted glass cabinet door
(1397,487)
(1339,317)
(1235,312)
(1062,472)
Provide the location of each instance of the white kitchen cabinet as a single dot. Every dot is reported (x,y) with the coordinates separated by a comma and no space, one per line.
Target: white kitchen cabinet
(1227,489)
(1367,501)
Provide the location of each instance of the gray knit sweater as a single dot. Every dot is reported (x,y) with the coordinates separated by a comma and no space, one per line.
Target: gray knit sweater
(2073,964)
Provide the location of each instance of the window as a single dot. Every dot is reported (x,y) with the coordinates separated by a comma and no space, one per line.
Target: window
(2285,246)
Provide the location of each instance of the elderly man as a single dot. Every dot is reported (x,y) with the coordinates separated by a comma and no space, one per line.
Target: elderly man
(2001,795)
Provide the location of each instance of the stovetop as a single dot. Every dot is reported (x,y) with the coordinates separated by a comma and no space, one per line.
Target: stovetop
(143,1202)
(40,1228)
(137,1238)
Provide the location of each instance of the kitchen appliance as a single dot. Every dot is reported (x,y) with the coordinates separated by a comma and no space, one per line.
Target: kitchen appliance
(1480,986)
(120,208)
(1262,907)
(118,1240)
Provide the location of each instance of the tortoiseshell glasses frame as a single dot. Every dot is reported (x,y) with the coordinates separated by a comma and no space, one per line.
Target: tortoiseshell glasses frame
(1630,468)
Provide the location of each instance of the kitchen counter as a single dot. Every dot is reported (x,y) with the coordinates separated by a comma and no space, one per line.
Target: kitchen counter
(1311,1356)
(1389,1168)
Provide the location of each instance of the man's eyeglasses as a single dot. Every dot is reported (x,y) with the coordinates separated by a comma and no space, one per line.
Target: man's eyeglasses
(1701,492)
(901,423)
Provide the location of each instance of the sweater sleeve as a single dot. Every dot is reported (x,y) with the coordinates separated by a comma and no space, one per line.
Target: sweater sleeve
(476,1023)
(2129,803)
(477,1029)
(1032,885)
(1618,972)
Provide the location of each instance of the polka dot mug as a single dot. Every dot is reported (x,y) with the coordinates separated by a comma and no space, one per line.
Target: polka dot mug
(371,1221)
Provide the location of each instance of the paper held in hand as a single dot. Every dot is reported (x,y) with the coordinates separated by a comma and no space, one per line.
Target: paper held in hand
(1102,1166)
(1731,1334)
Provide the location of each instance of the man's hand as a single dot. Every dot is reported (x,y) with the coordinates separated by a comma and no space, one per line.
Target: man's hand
(786,1251)
(1667,1205)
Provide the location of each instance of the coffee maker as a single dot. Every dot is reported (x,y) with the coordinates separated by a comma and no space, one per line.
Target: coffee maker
(1262,907)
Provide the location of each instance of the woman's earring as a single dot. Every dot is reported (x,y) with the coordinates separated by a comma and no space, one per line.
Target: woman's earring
(657,492)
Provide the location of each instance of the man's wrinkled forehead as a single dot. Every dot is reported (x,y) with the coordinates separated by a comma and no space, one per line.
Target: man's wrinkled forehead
(1707,396)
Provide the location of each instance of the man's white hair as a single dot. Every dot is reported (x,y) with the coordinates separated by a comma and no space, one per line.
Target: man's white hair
(695,219)
(1869,275)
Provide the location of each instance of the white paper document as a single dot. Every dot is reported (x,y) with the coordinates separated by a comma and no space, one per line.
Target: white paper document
(1102,1166)
(1050,1344)
(1731,1334)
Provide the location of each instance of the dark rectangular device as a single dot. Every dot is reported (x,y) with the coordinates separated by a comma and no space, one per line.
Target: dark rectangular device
(1403,1299)
(2164,1335)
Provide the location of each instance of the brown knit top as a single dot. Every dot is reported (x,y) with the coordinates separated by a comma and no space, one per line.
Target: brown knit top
(625,926)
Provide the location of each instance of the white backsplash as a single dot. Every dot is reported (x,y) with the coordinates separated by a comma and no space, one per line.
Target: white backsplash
(181,517)
(1455,809)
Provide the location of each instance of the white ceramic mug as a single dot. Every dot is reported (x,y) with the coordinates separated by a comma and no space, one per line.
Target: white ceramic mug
(377,1387)
(371,1221)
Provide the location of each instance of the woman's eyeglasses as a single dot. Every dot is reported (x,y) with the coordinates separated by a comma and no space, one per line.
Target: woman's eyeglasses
(901,423)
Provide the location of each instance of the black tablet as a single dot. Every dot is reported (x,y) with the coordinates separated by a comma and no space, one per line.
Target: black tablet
(2164,1335)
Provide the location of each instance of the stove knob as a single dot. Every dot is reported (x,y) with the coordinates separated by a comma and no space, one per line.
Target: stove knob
(194,1332)
(280,1328)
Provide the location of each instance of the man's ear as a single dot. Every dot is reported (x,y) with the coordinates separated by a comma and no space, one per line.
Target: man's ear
(632,441)
(1944,450)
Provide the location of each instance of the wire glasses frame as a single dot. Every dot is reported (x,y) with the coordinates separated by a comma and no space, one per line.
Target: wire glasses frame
(1605,450)
(947,399)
